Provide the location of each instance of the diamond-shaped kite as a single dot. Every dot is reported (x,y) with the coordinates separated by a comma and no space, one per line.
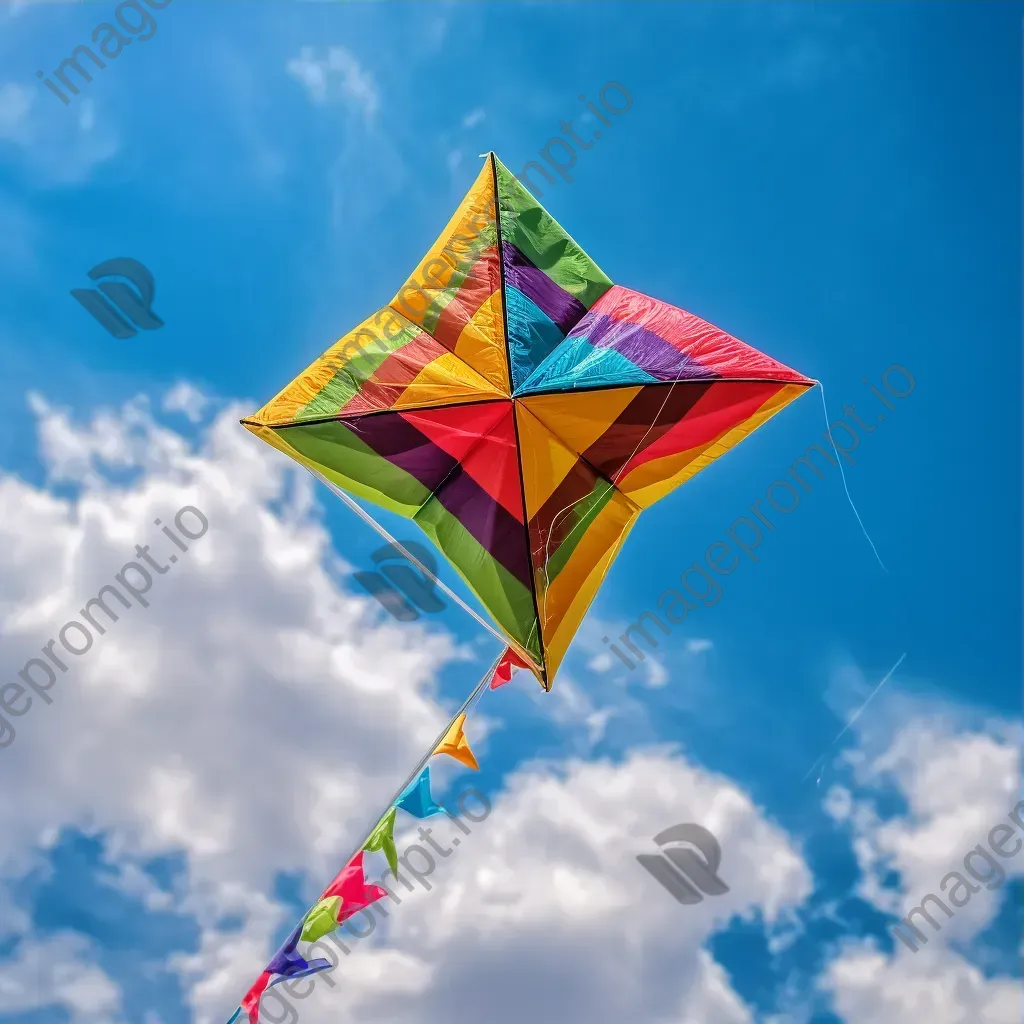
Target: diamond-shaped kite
(523,410)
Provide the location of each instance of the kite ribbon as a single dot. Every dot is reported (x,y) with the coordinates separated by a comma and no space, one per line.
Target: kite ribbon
(509,662)
(287,955)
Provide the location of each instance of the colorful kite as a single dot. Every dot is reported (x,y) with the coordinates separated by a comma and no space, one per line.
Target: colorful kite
(523,410)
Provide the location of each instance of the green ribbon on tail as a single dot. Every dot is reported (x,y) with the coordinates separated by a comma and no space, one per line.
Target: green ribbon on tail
(322,919)
(382,839)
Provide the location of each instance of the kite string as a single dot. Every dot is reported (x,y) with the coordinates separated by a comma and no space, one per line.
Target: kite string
(842,473)
(466,706)
(400,547)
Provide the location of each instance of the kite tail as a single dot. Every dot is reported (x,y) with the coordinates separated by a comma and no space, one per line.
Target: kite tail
(350,884)
(467,705)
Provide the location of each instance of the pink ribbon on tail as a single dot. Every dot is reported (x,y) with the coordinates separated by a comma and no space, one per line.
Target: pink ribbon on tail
(503,673)
(288,963)
(350,885)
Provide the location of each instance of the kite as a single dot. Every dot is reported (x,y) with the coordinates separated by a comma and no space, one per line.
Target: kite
(523,410)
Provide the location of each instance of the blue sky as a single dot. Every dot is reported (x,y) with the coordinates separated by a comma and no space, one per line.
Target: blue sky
(836,184)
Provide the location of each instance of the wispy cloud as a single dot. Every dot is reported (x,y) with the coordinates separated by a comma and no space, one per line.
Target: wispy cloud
(473,118)
(186,399)
(15,104)
(336,78)
(655,673)
(60,151)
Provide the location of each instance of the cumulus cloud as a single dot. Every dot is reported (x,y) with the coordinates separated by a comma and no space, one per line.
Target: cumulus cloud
(58,972)
(543,913)
(941,988)
(253,717)
(187,400)
(956,785)
(256,716)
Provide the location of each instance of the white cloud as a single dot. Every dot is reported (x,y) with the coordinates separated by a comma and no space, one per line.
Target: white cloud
(257,716)
(698,646)
(59,150)
(123,439)
(655,675)
(56,972)
(473,118)
(338,77)
(573,707)
(543,912)
(254,716)
(935,986)
(957,785)
(186,399)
